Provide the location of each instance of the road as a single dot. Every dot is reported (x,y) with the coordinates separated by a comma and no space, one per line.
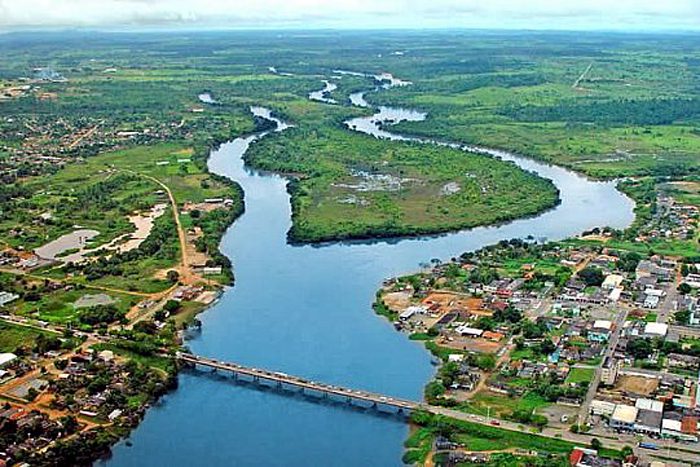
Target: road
(186,274)
(609,351)
(668,306)
(87,134)
(583,75)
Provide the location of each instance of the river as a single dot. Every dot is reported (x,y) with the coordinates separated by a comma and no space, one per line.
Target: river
(306,310)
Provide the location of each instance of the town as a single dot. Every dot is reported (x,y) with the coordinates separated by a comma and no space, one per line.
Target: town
(578,336)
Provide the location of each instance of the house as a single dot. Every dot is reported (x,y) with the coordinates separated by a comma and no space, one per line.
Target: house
(685,429)
(624,417)
(682,361)
(612,281)
(584,457)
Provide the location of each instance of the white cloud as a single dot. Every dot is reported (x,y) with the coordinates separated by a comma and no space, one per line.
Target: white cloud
(596,14)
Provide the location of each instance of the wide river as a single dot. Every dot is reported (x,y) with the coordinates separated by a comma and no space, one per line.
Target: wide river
(306,310)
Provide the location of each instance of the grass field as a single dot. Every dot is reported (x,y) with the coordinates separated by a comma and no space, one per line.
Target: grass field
(13,336)
(501,406)
(580,375)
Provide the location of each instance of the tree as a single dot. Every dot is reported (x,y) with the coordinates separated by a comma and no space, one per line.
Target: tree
(547,347)
(682,316)
(684,288)
(626,451)
(172,306)
(146,327)
(69,423)
(32,394)
(596,444)
(640,348)
(591,276)
(173,276)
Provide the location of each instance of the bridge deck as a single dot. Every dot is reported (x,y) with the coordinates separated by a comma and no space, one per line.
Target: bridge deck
(302,383)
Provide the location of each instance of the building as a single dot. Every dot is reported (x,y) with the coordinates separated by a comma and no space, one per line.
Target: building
(624,417)
(7,297)
(648,422)
(6,359)
(682,361)
(655,330)
(600,332)
(680,429)
(469,332)
(610,370)
(602,408)
(612,281)
(649,404)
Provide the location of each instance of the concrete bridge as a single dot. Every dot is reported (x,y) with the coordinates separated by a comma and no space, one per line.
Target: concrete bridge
(283,379)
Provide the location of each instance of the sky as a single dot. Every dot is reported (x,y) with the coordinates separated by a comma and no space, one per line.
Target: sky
(636,15)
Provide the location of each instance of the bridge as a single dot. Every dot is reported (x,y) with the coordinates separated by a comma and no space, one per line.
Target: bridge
(283,379)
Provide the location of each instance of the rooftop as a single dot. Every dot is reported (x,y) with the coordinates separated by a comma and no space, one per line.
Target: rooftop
(625,414)
(656,328)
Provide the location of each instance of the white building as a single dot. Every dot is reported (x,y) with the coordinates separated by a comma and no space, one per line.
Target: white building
(624,417)
(602,408)
(6,359)
(7,297)
(612,281)
(656,330)
(470,332)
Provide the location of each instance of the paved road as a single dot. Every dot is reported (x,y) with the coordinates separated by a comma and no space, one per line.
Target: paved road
(609,351)
(669,305)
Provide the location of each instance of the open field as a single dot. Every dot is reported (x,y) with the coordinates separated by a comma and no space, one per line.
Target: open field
(13,336)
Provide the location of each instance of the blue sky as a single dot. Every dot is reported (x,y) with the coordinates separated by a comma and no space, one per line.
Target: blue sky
(352,14)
